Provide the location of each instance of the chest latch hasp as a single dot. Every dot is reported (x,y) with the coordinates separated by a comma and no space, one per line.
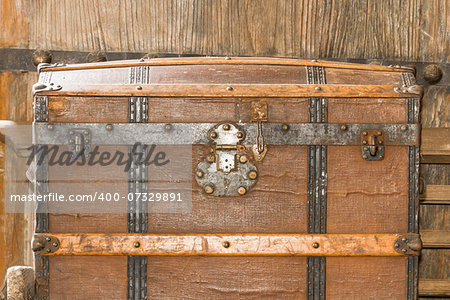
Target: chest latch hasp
(226,171)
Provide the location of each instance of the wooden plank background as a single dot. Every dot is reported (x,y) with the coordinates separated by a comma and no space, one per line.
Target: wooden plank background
(404,31)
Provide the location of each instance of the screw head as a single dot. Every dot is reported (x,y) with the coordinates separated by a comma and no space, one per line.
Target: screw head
(226,126)
(344,127)
(136,244)
(200,174)
(252,175)
(242,191)
(48,239)
(243,159)
(240,135)
(226,244)
(229,88)
(403,127)
(55,245)
(211,158)
(315,245)
(213,134)
(139,87)
(168,127)
(317,88)
(109,127)
(209,189)
(365,156)
(285,127)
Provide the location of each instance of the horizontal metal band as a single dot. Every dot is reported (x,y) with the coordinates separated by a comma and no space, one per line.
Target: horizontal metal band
(225,245)
(197,133)
(235,90)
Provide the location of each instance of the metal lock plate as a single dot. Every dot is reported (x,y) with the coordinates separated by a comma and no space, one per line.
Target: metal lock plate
(372,144)
(227,171)
(79,139)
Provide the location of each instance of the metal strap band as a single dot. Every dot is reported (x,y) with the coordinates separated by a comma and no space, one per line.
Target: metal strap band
(317,187)
(41,109)
(137,183)
(194,133)
(413,189)
(42,263)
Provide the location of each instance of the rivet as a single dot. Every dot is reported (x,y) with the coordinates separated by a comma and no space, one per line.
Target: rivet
(50,127)
(226,244)
(364,142)
(243,159)
(168,127)
(213,134)
(142,60)
(404,250)
(51,83)
(366,148)
(55,245)
(71,141)
(403,127)
(240,135)
(210,158)
(229,88)
(242,190)
(379,133)
(365,133)
(285,127)
(314,60)
(109,127)
(380,142)
(49,250)
(380,156)
(209,189)
(227,58)
(315,245)
(86,132)
(137,244)
(317,88)
(200,174)
(48,239)
(226,127)
(396,245)
(252,175)
(404,239)
(365,156)
(343,127)
(139,87)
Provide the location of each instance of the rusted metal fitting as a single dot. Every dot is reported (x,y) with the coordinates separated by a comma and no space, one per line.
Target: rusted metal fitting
(45,244)
(252,175)
(432,74)
(242,191)
(408,244)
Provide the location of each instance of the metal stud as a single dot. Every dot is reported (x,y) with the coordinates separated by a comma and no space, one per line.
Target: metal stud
(315,245)
(252,175)
(200,174)
(213,134)
(139,87)
(243,159)
(226,244)
(50,127)
(285,127)
(209,189)
(137,244)
(404,128)
(318,88)
(226,127)
(344,127)
(229,88)
(242,191)
(109,127)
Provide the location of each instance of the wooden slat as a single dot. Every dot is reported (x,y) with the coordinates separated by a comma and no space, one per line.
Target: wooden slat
(435,147)
(222,245)
(435,238)
(230,61)
(235,90)
(434,287)
(436,194)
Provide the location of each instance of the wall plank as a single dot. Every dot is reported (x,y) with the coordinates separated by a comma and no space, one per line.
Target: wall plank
(414,30)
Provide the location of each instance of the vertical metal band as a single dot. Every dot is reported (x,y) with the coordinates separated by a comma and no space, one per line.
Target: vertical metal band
(137,184)
(41,109)
(413,117)
(317,188)
(41,188)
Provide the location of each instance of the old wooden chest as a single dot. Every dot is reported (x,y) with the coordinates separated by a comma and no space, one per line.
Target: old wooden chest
(301,180)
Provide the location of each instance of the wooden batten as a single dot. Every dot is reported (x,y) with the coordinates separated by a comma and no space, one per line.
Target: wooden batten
(228,245)
(435,147)
(436,194)
(435,238)
(434,287)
